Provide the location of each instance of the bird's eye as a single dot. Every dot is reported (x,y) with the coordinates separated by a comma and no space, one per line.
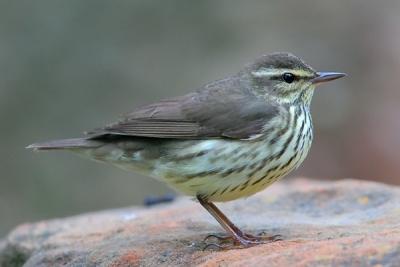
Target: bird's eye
(288,77)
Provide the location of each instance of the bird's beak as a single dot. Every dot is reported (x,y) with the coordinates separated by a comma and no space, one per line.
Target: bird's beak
(327,76)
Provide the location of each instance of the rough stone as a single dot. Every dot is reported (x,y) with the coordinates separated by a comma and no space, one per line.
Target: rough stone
(343,223)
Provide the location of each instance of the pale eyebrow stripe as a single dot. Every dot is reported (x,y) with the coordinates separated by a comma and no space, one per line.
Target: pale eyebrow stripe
(275,72)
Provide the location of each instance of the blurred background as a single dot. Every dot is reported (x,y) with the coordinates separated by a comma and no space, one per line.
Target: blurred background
(70,66)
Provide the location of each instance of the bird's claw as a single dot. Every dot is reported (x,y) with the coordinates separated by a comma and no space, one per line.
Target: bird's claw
(271,238)
(276,238)
(213,245)
(220,238)
(211,236)
(244,241)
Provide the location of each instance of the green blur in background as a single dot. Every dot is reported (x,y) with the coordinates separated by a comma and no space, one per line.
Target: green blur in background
(71,66)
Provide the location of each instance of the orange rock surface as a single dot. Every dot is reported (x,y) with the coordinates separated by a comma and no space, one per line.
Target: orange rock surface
(344,223)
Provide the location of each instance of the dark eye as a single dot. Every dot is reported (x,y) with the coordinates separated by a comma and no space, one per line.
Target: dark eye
(288,77)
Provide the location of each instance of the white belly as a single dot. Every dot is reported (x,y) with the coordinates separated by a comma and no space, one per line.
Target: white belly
(245,165)
(225,169)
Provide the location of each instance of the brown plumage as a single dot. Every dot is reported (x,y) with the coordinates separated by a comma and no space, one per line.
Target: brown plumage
(228,139)
(207,112)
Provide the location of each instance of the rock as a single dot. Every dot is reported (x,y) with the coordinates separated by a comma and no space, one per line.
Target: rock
(344,223)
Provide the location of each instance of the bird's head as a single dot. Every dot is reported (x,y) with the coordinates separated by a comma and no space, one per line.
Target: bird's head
(286,78)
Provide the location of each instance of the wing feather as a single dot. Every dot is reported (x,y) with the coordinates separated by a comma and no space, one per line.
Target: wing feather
(224,109)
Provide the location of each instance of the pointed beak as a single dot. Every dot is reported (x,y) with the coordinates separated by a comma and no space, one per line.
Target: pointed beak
(327,76)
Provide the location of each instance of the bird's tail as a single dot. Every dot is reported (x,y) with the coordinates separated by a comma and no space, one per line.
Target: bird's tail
(73,143)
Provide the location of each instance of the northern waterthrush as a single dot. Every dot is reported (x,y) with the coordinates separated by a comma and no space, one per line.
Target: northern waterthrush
(228,139)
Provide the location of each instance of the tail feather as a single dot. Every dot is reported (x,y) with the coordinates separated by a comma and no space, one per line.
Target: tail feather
(65,144)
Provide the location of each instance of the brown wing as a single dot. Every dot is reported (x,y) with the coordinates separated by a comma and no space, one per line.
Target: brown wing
(218,110)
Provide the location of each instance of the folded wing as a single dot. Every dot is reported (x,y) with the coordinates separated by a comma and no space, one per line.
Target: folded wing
(212,112)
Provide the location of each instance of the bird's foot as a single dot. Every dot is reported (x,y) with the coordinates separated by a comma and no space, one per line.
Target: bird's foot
(226,242)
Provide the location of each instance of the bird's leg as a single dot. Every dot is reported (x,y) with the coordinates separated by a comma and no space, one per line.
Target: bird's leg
(235,235)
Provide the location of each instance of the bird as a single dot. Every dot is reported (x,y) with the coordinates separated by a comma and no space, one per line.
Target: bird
(225,140)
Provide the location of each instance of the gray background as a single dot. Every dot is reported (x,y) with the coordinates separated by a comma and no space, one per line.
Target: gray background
(70,66)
